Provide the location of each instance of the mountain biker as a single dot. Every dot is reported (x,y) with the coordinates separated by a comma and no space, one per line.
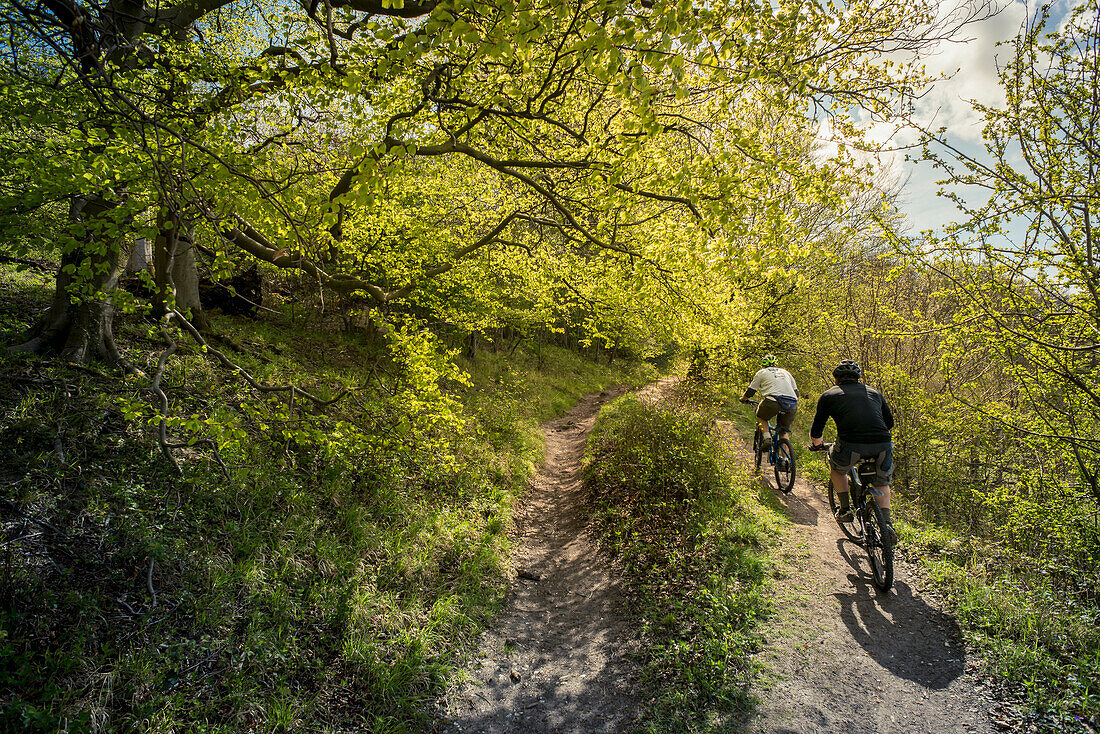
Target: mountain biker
(779,395)
(863,424)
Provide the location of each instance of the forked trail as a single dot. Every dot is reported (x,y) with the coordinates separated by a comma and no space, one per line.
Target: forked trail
(838,658)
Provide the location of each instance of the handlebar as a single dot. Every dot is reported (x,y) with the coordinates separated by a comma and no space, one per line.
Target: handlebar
(749,402)
(822,447)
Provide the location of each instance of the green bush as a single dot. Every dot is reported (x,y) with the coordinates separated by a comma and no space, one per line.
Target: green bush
(682,523)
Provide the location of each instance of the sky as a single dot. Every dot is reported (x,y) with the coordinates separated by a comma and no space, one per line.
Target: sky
(970,63)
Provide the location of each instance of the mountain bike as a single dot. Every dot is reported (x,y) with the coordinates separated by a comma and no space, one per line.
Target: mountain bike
(780,453)
(865,527)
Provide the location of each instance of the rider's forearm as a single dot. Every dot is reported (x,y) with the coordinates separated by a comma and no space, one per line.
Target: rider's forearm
(817,428)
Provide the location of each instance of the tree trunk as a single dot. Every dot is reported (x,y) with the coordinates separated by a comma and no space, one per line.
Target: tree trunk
(78,326)
(175,271)
(185,279)
(141,256)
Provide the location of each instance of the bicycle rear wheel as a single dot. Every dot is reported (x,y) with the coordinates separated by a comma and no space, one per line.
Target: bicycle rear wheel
(850,528)
(880,554)
(784,465)
(758,447)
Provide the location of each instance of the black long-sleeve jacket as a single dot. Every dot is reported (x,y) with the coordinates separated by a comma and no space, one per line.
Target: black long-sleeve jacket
(860,412)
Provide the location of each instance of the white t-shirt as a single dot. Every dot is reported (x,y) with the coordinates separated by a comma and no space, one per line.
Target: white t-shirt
(774,381)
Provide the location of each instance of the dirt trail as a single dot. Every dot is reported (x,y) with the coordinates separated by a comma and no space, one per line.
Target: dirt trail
(559,656)
(841,657)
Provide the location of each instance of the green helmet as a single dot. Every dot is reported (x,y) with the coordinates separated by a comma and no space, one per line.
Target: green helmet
(769,360)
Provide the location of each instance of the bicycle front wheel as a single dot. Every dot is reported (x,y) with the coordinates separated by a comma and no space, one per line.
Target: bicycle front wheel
(850,529)
(784,465)
(878,551)
(758,447)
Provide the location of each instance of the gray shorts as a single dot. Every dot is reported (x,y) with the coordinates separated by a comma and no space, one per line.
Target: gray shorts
(844,456)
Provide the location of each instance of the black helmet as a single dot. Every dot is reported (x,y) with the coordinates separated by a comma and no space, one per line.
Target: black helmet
(847,371)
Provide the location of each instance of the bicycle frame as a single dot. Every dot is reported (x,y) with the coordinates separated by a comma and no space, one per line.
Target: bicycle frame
(774,433)
(858,494)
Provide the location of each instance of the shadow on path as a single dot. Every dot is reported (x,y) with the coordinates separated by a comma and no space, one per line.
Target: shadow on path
(903,634)
(842,657)
(799,509)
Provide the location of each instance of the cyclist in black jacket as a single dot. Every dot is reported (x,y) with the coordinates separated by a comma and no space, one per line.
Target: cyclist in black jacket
(863,424)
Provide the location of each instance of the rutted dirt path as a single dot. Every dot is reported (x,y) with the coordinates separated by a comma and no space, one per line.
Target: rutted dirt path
(559,656)
(840,657)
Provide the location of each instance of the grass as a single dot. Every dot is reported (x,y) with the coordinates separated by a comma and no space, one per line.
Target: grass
(333,581)
(683,524)
(1033,637)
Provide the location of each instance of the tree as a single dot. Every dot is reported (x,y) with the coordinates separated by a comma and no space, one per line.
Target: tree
(299,135)
(1024,261)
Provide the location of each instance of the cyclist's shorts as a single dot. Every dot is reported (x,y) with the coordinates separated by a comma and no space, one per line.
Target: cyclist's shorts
(770,408)
(844,456)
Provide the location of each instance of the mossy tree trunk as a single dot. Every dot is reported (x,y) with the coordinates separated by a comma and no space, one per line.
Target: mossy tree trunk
(78,326)
(175,270)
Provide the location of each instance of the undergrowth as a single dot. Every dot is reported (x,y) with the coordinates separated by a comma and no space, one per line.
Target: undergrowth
(679,517)
(1036,639)
(330,581)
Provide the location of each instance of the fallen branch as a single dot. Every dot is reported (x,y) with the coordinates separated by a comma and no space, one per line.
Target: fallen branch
(14,509)
(149,582)
(162,364)
(23,261)
(165,447)
(129,609)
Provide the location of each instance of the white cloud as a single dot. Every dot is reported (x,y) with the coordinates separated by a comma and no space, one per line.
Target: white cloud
(969,62)
(969,65)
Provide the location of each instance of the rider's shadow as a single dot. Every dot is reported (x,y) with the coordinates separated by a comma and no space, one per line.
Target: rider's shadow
(900,631)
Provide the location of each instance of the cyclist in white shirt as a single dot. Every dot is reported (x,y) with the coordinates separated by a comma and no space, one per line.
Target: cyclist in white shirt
(778,395)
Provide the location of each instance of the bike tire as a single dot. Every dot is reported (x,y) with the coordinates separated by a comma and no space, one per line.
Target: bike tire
(758,447)
(784,465)
(879,553)
(848,528)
